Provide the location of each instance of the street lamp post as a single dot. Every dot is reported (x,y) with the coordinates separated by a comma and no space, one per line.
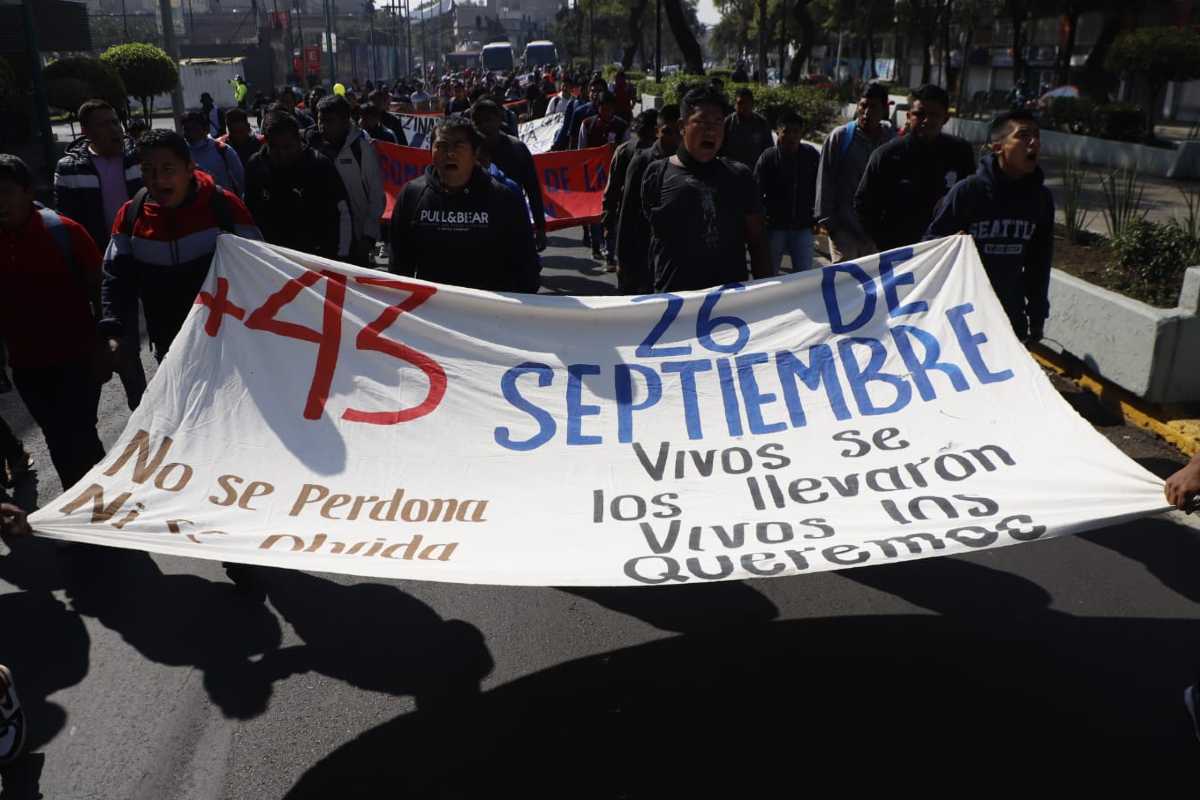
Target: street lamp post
(172,48)
(329,34)
(658,41)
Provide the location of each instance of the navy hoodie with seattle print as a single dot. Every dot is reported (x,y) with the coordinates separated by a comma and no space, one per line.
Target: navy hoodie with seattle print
(1012,223)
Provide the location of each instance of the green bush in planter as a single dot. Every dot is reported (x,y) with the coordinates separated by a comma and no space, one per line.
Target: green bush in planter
(1151,258)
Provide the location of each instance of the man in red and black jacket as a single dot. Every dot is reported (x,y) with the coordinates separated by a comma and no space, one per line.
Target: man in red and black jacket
(163,242)
(49,281)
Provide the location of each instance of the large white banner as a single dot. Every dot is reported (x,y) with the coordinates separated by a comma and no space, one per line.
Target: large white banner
(419,128)
(538,134)
(318,416)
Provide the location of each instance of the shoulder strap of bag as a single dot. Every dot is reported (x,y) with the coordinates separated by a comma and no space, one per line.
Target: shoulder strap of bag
(135,211)
(848,139)
(62,240)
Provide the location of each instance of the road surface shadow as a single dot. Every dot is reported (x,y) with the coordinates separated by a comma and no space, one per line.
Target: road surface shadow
(575,285)
(695,608)
(177,620)
(1170,552)
(372,636)
(996,687)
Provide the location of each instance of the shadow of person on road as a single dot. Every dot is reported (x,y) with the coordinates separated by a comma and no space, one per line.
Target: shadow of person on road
(998,685)
(695,608)
(374,637)
(177,620)
(45,644)
(47,647)
(1171,552)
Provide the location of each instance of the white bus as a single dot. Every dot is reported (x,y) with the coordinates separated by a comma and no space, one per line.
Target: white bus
(540,54)
(498,57)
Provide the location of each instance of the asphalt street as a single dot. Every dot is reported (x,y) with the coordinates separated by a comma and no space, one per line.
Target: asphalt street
(156,678)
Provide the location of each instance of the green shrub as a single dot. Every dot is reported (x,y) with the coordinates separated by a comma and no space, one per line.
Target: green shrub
(72,81)
(145,69)
(725,75)
(1151,258)
(1120,121)
(1070,115)
(812,103)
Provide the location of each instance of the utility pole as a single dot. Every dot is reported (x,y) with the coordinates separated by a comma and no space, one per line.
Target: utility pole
(41,106)
(782,39)
(408,35)
(329,42)
(125,20)
(658,41)
(172,48)
(371,60)
(303,59)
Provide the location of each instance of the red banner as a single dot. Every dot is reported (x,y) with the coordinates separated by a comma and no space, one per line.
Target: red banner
(572,180)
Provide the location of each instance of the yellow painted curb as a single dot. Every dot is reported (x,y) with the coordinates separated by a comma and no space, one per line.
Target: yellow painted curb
(1178,425)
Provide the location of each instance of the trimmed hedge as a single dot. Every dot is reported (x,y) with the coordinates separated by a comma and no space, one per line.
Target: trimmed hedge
(813,104)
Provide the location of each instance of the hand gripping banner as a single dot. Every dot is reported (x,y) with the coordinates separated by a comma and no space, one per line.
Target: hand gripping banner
(572,181)
(318,416)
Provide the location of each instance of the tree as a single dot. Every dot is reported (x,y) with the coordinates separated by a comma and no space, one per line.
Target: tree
(1158,56)
(808,31)
(1017,12)
(72,81)
(693,57)
(146,70)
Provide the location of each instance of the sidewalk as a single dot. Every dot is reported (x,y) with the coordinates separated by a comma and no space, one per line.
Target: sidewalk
(1161,199)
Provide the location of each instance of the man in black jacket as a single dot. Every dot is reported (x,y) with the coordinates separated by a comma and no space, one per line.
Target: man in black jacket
(705,211)
(906,178)
(1009,212)
(382,99)
(295,193)
(456,224)
(633,229)
(92,181)
(514,159)
(747,133)
(787,177)
(644,126)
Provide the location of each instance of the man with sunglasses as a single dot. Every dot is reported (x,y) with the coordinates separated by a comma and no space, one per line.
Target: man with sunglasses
(906,178)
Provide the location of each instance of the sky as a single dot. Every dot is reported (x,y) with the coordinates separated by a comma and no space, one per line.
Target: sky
(707,12)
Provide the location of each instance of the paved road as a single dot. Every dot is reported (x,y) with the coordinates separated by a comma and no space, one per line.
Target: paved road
(154,678)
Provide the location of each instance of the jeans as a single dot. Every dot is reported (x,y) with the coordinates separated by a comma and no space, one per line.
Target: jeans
(798,244)
(63,401)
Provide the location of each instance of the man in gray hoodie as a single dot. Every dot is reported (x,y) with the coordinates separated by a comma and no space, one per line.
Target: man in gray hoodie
(844,158)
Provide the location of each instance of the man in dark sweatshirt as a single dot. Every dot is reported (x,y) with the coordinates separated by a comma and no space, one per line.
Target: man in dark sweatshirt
(906,178)
(295,193)
(514,159)
(1009,212)
(747,133)
(633,229)
(456,224)
(787,177)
